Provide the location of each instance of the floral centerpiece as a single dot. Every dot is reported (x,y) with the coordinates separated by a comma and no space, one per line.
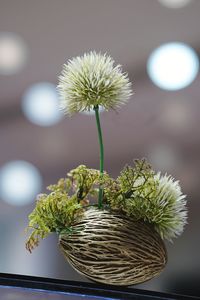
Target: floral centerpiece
(110,230)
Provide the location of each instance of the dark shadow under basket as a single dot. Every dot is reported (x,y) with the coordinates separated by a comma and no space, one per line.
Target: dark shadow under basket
(112,249)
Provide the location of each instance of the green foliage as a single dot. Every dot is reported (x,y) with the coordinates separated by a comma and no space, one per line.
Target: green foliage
(138,193)
(143,195)
(56,212)
(83,181)
(133,191)
(52,213)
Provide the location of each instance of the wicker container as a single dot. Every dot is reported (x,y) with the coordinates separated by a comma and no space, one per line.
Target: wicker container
(112,249)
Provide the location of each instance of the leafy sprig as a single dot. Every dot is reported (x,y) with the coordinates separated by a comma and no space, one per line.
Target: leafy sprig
(138,193)
(57,211)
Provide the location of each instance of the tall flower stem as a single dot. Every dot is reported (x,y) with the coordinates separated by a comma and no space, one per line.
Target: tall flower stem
(96,109)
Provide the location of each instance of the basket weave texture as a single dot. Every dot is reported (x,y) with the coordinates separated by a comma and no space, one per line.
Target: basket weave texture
(110,248)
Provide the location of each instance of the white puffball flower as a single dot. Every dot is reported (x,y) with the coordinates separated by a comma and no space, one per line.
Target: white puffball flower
(92,80)
(172,214)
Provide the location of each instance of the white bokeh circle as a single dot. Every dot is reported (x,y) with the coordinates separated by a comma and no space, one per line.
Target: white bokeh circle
(20,182)
(173,66)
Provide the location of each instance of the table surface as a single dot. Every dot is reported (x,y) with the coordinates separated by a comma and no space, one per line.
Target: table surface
(20,287)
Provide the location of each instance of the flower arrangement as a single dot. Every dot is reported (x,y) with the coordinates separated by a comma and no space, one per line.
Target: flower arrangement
(110,230)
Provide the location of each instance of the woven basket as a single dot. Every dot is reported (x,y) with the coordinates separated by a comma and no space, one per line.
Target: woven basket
(112,249)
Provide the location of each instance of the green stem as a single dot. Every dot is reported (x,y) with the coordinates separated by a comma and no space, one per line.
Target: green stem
(96,109)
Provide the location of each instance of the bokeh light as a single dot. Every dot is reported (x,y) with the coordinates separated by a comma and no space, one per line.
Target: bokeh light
(175,3)
(13,53)
(20,181)
(173,66)
(40,104)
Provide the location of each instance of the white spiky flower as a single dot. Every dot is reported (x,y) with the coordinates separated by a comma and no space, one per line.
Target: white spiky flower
(92,80)
(171,217)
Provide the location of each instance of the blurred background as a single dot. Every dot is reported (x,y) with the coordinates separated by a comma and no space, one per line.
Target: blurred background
(158,43)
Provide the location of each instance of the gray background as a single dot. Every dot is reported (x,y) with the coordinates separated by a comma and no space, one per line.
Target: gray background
(160,125)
